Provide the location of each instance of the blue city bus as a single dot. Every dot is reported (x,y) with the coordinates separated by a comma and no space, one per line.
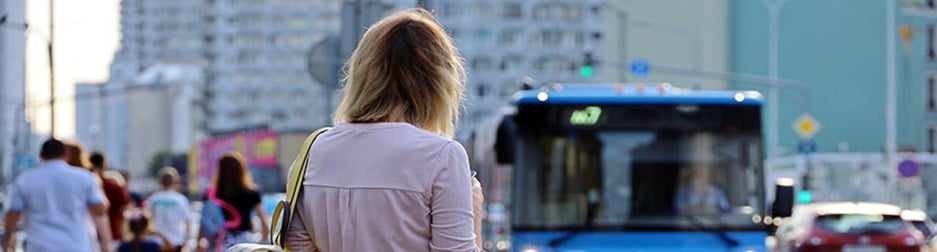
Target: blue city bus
(634,167)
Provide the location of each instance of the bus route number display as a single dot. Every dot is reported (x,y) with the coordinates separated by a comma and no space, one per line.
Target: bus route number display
(587,116)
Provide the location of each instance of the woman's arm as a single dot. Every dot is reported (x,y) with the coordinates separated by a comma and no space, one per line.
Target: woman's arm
(105,236)
(264,226)
(478,198)
(297,237)
(453,220)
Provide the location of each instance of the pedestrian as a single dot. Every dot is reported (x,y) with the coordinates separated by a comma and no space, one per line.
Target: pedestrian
(136,198)
(170,209)
(388,176)
(56,199)
(116,195)
(76,155)
(139,224)
(234,186)
(100,226)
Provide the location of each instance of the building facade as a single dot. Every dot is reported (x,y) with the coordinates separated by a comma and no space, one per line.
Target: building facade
(505,41)
(840,56)
(89,115)
(12,88)
(172,125)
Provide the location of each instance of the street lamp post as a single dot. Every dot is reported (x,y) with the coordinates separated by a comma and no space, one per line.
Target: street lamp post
(774,11)
(890,98)
(51,39)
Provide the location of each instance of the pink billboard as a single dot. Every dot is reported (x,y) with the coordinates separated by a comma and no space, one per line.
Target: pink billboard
(259,150)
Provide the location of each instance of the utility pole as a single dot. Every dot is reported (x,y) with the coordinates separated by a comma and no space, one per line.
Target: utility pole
(51,68)
(890,99)
(774,11)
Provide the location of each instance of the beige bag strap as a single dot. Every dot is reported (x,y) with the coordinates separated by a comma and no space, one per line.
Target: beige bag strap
(287,209)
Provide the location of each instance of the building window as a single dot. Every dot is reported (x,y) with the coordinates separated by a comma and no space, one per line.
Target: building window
(449,10)
(483,11)
(932,91)
(511,63)
(481,90)
(482,36)
(513,11)
(508,88)
(931,51)
(508,37)
(481,64)
(540,12)
(932,137)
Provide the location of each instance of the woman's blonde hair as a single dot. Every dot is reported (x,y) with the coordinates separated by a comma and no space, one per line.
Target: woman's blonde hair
(406,67)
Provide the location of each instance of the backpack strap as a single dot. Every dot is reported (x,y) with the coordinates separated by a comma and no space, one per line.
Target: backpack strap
(235,220)
(287,209)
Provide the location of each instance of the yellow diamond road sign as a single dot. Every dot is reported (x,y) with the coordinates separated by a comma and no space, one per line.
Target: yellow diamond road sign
(806,126)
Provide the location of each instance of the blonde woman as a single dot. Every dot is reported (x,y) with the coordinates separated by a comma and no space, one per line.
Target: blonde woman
(388,176)
(101,227)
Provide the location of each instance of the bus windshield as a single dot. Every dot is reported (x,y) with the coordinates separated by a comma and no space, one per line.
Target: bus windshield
(606,178)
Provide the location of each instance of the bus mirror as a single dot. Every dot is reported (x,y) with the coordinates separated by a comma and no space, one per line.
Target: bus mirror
(507,138)
(783,204)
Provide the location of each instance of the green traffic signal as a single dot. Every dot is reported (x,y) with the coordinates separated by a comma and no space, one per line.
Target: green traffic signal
(804,197)
(586,71)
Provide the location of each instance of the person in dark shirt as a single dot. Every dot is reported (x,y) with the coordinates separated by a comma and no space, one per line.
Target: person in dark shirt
(135,198)
(138,222)
(114,192)
(236,187)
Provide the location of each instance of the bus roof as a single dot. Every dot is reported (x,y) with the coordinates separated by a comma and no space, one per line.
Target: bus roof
(633,93)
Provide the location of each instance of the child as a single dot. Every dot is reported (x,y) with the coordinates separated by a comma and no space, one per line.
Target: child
(139,225)
(170,209)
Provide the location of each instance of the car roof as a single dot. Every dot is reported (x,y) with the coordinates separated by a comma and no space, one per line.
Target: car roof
(829,208)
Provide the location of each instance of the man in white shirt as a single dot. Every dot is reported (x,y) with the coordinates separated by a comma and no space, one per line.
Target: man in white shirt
(170,209)
(55,199)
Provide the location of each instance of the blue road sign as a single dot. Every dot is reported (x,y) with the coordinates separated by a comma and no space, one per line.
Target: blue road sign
(806,146)
(908,168)
(640,67)
(24,162)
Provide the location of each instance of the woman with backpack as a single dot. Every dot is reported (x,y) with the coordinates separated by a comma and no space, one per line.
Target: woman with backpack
(233,191)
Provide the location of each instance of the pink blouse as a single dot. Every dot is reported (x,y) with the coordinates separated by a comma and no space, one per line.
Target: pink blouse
(384,187)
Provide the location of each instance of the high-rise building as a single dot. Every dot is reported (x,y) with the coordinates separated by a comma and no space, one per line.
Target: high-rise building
(161,31)
(12,84)
(503,41)
(257,74)
(253,55)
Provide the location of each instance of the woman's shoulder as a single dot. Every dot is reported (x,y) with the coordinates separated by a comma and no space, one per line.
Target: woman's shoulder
(403,136)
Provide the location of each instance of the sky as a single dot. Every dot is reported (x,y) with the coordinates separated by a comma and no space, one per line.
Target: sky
(87,34)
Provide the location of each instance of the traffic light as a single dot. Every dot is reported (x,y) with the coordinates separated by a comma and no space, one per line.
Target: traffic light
(588,65)
(804,197)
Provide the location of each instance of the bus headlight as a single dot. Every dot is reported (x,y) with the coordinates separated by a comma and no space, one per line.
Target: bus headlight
(530,249)
(505,245)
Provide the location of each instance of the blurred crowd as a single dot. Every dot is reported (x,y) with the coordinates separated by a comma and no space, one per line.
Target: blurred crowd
(114,218)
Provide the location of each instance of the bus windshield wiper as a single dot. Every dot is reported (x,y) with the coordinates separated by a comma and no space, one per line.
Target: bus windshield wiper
(591,212)
(729,241)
